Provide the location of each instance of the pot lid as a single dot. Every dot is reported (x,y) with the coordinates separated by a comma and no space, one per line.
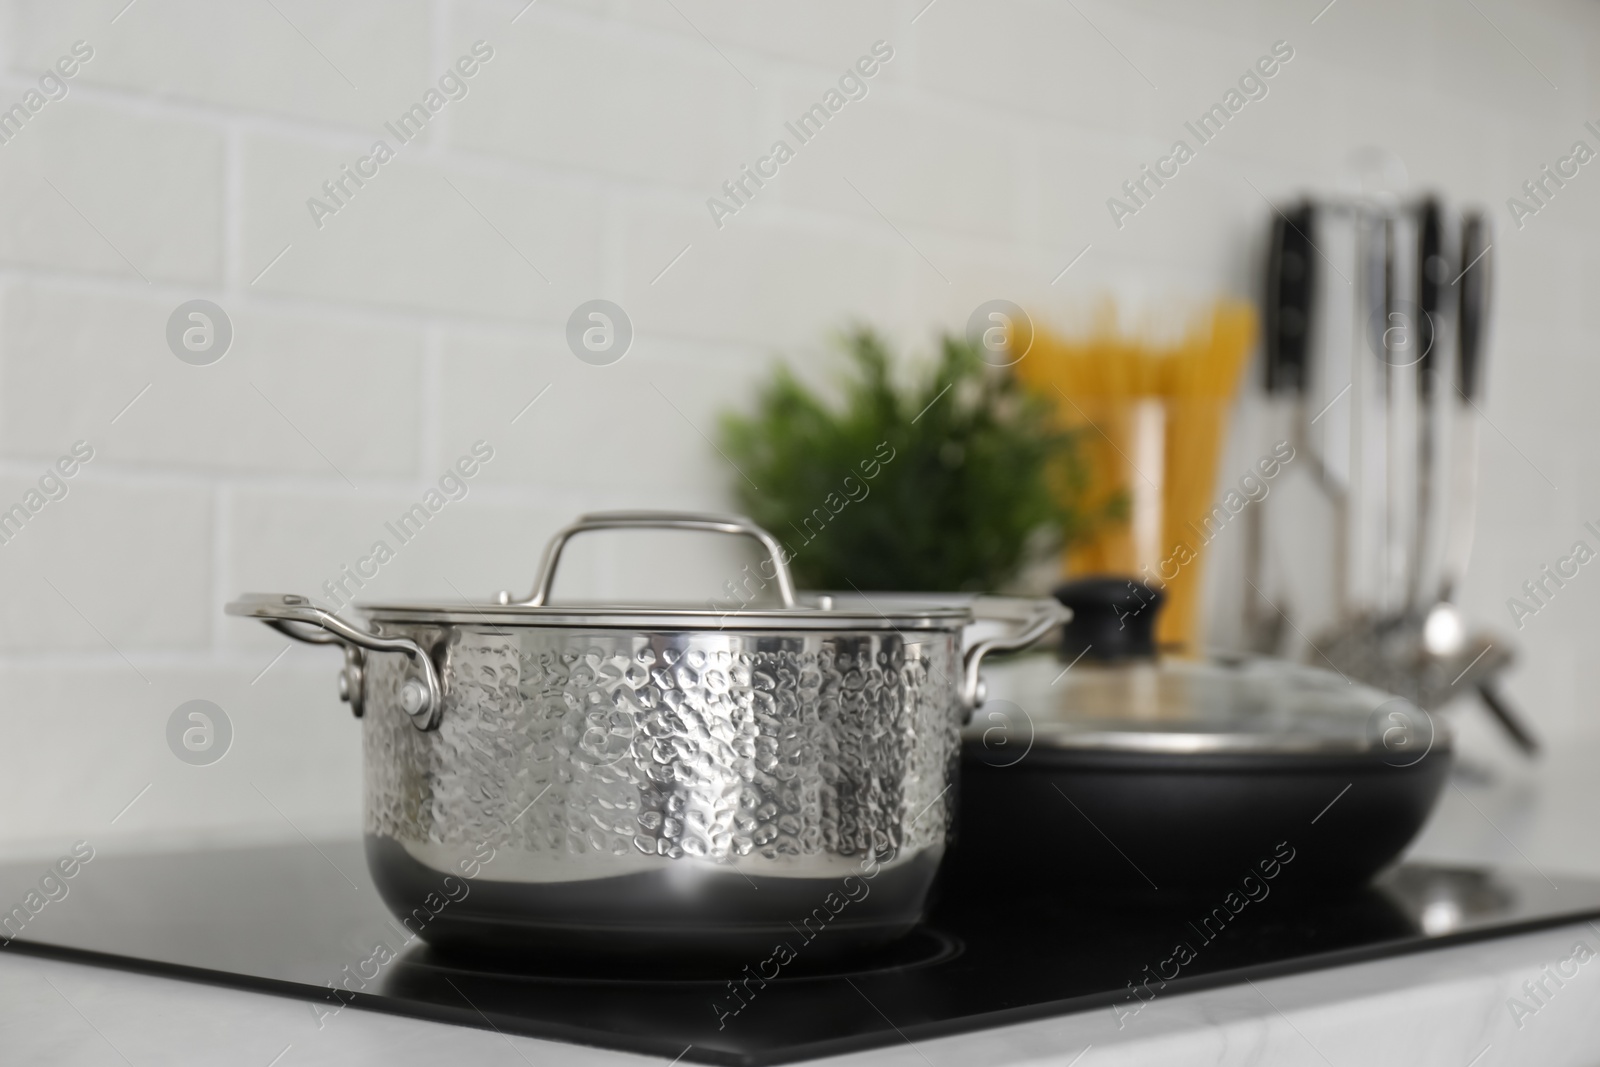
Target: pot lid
(1221,706)
(811,611)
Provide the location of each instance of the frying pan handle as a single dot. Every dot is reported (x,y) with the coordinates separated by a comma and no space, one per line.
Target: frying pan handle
(295,616)
(1048,614)
(657,520)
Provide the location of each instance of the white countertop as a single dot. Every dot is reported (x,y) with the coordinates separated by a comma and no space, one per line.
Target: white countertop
(1447,1007)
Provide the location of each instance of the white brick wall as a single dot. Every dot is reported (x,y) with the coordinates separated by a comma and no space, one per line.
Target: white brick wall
(427,312)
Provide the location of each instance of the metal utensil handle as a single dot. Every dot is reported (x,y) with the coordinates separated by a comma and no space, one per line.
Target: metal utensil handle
(661,520)
(287,612)
(1050,614)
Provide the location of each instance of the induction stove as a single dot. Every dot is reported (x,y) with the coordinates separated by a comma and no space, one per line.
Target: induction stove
(304,921)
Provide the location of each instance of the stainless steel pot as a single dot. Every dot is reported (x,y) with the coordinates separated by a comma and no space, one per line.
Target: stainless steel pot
(635,779)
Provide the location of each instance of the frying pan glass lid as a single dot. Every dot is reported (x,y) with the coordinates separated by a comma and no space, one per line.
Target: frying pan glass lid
(1216,706)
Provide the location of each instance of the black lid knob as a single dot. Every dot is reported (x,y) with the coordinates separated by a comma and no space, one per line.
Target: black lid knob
(1112,618)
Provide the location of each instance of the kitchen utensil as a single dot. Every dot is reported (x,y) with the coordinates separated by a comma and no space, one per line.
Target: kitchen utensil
(1444,620)
(1432,271)
(1471,317)
(1509,718)
(1124,775)
(1291,285)
(1290,291)
(1407,535)
(1392,580)
(1369,432)
(636,779)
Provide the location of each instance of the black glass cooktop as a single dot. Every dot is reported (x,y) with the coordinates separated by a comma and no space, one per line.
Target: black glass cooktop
(304,920)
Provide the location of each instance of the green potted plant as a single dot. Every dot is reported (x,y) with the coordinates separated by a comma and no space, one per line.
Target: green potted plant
(950,482)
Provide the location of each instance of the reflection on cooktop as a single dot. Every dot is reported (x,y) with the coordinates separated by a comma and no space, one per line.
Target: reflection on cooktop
(923,947)
(305,921)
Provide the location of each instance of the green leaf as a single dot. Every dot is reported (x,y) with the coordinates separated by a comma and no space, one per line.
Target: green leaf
(942,485)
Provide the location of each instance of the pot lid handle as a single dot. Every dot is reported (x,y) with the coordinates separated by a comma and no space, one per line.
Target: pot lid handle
(657,520)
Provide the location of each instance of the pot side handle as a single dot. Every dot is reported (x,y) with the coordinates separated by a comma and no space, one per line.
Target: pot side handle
(1048,614)
(296,616)
(657,520)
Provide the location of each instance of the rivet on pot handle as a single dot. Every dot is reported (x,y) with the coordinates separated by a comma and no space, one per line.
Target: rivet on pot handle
(422,699)
(657,520)
(1050,613)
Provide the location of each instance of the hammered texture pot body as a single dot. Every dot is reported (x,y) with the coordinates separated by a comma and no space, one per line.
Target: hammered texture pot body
(600,790)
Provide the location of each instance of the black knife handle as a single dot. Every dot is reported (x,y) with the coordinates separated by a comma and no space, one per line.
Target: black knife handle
(1291,284)
(1432,276)
(1473,303)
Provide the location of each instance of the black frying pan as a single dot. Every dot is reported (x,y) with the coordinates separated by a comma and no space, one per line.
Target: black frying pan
(1099,821)
(1129,823)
